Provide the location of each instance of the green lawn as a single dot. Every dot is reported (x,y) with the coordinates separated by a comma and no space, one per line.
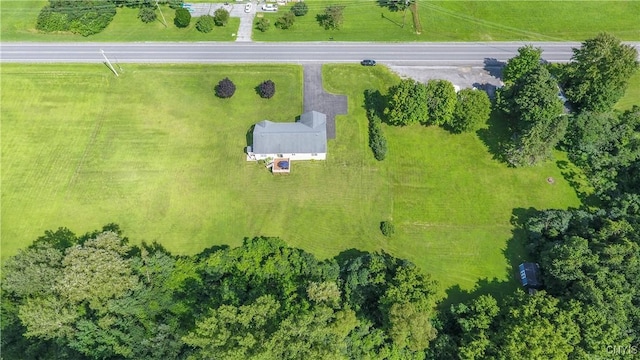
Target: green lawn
(632,95)
(468,21)
(156,152)
(366,21)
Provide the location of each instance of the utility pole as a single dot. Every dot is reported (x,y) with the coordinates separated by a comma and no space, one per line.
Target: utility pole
(164,21)
(118,63)
(109,63)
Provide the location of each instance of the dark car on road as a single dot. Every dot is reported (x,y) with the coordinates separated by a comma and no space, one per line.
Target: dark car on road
(368,62)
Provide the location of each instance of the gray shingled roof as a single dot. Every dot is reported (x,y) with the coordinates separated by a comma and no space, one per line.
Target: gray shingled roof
(308,135)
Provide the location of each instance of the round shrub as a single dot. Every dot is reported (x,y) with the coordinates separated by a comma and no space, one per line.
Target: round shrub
(267,89)
(225,88)
(299,9)
(205,24)
(286,21)
(221,17)
(387,228)
(183,18)
(472,110)
(147,15)
(263,24)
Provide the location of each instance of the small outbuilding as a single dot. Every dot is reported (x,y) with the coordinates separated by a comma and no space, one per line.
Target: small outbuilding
(530,276)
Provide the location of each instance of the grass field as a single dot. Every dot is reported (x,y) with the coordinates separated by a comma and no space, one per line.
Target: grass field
(364,20)
(467,21)
(156,152)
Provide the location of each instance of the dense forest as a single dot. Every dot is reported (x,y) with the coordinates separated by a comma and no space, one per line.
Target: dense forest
(96,296)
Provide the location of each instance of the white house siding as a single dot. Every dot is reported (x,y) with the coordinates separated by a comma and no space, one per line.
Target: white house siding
(318,156)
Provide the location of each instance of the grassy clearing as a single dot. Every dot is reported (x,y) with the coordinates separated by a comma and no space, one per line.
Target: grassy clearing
(156,152)
(451,202)
(19,21)
(366,21)
(632,95)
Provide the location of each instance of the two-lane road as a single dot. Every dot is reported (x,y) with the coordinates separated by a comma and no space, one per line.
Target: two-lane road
(422,54)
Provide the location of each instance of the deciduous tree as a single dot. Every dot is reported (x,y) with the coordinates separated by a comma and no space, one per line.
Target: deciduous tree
(407,103)
(263,24)
(472,110)
(221,17)
(332,17)
(300,8)
(441,102)
(147,14)
(205,23)
(599,72)
(527,60)
(536,116)
(286,21)
(182,18)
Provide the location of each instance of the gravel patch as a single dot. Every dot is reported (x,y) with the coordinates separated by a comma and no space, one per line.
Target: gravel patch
(485,78)
(234,9)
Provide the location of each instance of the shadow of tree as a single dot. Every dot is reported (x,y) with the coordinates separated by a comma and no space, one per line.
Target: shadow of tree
(517,250)
(154,247)
(499,289)
(348,255)
(375,102)
(211,250)
(578,182)
(490,89)
(494,67)
(496,136)
(515,253)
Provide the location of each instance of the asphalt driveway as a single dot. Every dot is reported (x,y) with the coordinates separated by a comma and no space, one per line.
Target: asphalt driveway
(234,9)
(316,99)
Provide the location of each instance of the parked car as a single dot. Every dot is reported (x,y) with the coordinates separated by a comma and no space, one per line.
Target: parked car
(248,7)
(368,62)
(269,7)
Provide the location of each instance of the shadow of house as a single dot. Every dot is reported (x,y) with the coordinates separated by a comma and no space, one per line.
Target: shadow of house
(249,137)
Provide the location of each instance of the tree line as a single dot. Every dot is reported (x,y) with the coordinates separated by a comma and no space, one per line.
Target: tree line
(96,296)
(543,106)
(88,17)
(541,117)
